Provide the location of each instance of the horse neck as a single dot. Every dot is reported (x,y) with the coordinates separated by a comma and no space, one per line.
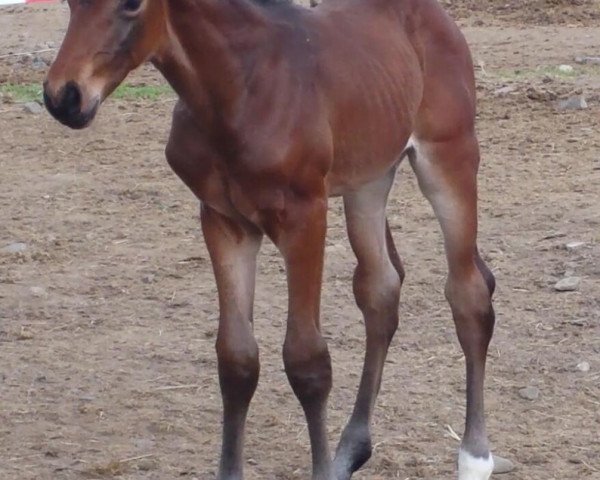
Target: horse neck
(208,50)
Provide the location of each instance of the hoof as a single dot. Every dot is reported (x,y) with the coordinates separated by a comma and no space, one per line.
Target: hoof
(353,452)
(502,465)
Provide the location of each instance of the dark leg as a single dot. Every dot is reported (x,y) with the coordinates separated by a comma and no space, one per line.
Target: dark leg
(377,281)
(233,248)
(447,176)
(307,364)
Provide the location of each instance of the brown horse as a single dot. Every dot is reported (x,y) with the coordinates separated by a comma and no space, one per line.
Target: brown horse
(282,107)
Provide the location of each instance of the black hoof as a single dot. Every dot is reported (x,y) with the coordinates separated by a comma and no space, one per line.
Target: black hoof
(351,455)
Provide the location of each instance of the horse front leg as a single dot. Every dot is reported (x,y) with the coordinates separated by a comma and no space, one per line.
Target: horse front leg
(233,247)
(300,237)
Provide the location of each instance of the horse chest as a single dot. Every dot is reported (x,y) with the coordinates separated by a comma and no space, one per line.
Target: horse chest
(232,194)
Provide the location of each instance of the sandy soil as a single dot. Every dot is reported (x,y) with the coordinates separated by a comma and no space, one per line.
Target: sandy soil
(108,318)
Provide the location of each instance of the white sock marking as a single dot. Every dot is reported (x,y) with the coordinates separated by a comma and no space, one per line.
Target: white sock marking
(473,468)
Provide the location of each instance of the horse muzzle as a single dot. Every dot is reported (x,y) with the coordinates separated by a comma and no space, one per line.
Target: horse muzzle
(67,105)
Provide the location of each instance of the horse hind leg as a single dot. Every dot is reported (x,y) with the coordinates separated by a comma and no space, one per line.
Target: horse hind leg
(377,281)
(447,172)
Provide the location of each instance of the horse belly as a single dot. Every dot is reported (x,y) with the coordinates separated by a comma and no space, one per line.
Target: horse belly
(369,146)
(373,107)
(357,167)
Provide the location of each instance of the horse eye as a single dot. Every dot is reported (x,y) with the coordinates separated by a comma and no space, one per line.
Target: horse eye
(132,6)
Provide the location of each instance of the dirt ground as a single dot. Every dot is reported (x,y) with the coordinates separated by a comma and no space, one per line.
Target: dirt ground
(108,318)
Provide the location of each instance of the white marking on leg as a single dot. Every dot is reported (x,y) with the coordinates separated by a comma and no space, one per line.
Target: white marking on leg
(474,468)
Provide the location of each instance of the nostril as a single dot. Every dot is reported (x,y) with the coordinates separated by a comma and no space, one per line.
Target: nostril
(64,104)
(72,98)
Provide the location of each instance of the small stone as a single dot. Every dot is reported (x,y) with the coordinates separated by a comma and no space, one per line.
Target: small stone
(504,91)
(555,235)
(541,95)
(15,248)
(547,79)
(148,279)
(25,334)
(579,322)
(38,292)
(587,60)
(574,246)
(583,367)
(38,63)
(33,108)
(502,465)
(530,393)
(566,69)
(567,284)
(576,102)
(147,464)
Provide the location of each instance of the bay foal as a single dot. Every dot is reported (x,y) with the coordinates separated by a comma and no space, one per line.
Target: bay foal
(282,107)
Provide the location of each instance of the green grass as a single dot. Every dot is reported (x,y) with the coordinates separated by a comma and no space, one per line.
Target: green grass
(143,92)
(24,92)
(542,71)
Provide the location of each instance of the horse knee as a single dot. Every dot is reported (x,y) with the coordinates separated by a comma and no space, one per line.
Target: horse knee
(308,367)
(239,366)
(377,295)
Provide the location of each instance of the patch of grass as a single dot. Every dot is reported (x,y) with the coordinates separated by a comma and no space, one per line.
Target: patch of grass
(554,71)
(143,92)
(25,92)
(22,92)
(542,71)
